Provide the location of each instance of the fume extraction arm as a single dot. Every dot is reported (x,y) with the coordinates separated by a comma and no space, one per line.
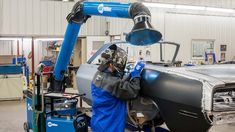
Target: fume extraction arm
(142,33)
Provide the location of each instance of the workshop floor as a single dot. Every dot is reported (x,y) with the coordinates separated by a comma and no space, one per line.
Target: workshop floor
(13,115)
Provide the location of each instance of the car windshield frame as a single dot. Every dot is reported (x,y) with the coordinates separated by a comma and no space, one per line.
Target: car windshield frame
(105,46)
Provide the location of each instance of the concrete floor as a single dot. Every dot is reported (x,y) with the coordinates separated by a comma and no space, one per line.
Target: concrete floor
(13,115)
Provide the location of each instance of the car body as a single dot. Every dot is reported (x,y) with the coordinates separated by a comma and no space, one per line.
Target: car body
(187,99)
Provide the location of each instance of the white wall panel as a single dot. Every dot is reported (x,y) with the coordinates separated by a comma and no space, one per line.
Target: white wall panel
(58,18)
(13,16)
(214,3)
(50,18)
(27,48)
(1,16)
(22,18)
(64,13)
(119,26)
(232,39)
(183,28)
(6,47)
(6,14)
(43,18)
(29,17)
(36,17)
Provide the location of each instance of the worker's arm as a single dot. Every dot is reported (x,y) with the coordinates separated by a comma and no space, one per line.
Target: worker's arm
(129,88)
(124,89)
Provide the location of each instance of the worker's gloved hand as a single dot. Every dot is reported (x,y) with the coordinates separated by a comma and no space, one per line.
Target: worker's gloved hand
(139,66)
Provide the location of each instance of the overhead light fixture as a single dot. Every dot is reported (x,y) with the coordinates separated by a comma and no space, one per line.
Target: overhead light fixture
(10,39)
(49,39)
(60,0)
(190,7)
(220,10)
(68,0)
(159,5)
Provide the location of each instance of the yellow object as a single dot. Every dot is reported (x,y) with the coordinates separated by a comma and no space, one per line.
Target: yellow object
(30,83)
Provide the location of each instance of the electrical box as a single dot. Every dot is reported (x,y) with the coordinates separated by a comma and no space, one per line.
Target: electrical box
(62,124)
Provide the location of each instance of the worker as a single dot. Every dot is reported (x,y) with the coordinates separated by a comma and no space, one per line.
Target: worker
(110,90)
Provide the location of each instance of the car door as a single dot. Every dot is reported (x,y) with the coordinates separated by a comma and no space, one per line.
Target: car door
(86,73)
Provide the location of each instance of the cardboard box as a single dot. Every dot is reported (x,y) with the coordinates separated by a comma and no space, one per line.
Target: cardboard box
(6,59)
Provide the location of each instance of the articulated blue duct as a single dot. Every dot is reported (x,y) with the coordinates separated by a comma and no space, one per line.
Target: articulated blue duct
(141,34)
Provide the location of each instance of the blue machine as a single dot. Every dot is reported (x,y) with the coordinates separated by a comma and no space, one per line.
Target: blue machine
(62,117)
(29,104)
(59,124)
(18,60)
(141,34)
(29,111)
(22,62)
(10,69)
(63,124)
(47,62)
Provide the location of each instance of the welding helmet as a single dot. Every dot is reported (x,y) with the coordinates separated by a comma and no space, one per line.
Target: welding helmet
(115,56)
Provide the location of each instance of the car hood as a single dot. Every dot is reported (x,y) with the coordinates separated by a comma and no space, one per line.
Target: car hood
(225,73)
(215,74)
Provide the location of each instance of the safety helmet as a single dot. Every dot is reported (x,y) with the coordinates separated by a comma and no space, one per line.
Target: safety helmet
(113,55)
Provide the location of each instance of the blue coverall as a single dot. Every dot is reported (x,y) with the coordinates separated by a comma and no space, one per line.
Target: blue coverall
(109,106)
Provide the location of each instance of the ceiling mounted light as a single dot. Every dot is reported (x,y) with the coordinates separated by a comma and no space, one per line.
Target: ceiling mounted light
(68,0)
(10,39)
(190,7)
(220,10)
(159,5)
(60,0)
(48,39)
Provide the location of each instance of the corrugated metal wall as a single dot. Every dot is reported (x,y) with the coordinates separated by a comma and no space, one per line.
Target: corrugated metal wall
(7,47)
(213,3)
(182,28)
(35,17)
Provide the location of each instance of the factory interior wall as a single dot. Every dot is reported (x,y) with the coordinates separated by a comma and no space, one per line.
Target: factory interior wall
(27,47)
(42,18)
(46,18)
(182,28)
(210,3)
(10,48)
(90,42)
(39,52)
